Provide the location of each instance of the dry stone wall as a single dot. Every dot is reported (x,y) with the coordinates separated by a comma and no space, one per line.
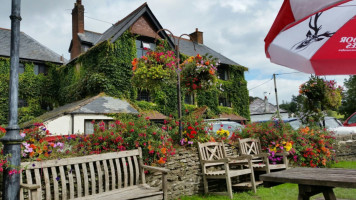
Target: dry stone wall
(345,147)
(185,177)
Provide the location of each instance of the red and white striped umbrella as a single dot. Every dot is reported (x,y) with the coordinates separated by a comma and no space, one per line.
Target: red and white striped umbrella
(314,36)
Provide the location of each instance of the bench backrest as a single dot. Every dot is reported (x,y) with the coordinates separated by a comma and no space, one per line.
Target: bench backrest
(82,176)
(249,146)
(209,151)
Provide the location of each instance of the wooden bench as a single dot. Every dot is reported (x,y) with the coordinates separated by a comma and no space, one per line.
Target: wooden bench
(213,154)
(117,175)
(251,146)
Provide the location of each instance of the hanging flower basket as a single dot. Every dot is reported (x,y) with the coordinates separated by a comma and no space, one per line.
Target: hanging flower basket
(154,69)
(199,72)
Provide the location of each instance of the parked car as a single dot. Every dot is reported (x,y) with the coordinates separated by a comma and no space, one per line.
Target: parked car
(231,126)
(350,121)
(295,123)
(334,125)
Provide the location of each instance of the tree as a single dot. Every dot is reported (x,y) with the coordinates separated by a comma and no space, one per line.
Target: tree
(348,103)
(320,95)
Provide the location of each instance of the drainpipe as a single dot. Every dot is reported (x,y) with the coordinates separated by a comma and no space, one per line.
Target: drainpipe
(72,119)
(12,140)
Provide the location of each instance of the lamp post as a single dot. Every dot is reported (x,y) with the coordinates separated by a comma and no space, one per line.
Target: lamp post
(12,140)
(179,97)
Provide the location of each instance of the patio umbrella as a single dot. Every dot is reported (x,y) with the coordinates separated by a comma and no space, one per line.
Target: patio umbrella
(314,36)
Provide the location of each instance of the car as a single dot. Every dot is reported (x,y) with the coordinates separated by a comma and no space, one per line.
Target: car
(231,126)
(295,123)
(334,125)
(350,121)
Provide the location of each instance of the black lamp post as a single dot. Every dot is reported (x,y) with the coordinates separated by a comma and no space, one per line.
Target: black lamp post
(12,140)
(179,96)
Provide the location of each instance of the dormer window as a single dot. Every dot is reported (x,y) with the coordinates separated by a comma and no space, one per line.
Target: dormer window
(189,99)
(143,95)
(142,46)
(40,69)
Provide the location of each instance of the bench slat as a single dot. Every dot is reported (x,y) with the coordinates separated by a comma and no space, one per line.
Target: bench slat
(63,181)
(79,181)
(86,180)
(131,171)
(113,178)
(47,183)
(119,177)
(55,183)
(38,182)
(124,165)
(92,177)
(21,189)
(100,176)
(142,172)
(70,172)
(29,180)
(106,173)
(137,170)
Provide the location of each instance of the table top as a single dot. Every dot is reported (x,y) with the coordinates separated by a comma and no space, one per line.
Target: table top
(331,177)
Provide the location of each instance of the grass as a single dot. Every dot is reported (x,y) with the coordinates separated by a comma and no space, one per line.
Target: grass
(282,192)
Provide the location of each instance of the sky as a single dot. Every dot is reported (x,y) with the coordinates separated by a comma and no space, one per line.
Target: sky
(234,28)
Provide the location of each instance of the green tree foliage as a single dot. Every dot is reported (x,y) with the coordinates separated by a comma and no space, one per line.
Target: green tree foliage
(348,105)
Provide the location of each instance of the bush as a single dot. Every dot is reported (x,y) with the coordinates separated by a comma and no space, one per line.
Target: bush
(311,147)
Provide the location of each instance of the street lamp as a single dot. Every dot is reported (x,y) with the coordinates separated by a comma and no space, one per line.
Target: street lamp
(179,98)
(12,140)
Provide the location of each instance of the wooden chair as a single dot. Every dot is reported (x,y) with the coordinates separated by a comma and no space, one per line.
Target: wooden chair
(212,154)
(252,147)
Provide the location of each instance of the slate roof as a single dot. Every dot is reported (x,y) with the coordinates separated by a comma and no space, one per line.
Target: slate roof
(257,107)
(30,49)
(187,47)
(100,104)
(121,26)
(89,37)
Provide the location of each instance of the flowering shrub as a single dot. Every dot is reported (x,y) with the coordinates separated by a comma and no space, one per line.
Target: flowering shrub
(154,69)
(321,95)
(307,146)
(199,72)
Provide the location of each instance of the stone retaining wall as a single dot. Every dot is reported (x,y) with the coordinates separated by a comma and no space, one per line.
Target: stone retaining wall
(185,176)
(345,147)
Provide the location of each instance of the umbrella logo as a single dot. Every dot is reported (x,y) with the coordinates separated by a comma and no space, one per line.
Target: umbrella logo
(312,37)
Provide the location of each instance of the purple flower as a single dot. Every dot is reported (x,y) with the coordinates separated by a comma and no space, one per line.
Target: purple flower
(57,178)
(190,142)
(23,135)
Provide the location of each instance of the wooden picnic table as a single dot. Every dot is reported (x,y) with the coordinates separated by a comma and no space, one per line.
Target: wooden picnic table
(312,181)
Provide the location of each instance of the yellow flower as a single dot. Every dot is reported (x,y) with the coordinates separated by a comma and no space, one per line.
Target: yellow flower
(273,149)
(288,146)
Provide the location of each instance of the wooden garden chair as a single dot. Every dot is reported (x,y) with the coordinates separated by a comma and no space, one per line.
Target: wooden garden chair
(252,147)
(212,154)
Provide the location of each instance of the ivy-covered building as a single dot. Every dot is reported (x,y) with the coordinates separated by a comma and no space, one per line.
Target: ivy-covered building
(37,77)
(101,62)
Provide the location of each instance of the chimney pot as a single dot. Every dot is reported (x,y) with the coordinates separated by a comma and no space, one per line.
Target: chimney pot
(77,27)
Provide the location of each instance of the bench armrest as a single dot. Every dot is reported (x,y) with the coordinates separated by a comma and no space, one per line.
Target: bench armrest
(32,190)
(29,186)
(241,157)
(157,169)
(284,153)
(260,155)
(223,160)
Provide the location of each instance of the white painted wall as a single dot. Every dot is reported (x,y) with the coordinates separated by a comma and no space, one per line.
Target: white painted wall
(63,125)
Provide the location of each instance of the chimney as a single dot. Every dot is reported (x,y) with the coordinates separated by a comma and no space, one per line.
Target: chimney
(77,27)
(197,36)
(266,105)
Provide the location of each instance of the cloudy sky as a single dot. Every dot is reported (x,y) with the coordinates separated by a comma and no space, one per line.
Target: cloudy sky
(234,28)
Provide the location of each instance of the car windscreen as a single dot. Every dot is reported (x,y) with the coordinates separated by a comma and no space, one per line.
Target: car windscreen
(295,124)
(230,127)
(331,123)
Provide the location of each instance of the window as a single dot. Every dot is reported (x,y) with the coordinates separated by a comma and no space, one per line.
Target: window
(40,69)
(352,120)
(89,124)
(142,45)
(189,99)
(21,68)
(223,74)
(223,101)
(143,95)
(22,103)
